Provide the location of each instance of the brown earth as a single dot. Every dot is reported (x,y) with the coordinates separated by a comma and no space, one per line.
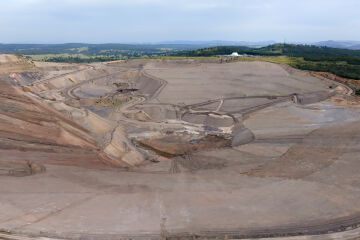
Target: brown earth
(355,84)
(242,159)
(29,128)
(12,64)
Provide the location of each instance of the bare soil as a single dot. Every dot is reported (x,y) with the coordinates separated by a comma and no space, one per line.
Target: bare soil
(198,149)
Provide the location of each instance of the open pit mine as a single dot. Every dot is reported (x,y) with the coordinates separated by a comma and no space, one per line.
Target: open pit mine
(176,149)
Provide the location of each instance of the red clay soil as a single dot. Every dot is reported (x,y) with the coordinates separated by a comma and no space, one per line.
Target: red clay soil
(355,84)
(30,130)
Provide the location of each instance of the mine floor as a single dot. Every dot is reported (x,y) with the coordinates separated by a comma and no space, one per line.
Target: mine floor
(149,149)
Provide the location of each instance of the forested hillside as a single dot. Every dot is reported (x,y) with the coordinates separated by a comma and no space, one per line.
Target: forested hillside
(342,62)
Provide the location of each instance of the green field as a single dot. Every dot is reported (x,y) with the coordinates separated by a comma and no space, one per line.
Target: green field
(43,57)
(342,62)
(79,52)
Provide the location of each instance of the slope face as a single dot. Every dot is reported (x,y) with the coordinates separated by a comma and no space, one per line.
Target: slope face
(12,63)
(32,131)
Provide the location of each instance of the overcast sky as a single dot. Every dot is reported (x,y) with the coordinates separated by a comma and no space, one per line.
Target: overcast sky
(118,21)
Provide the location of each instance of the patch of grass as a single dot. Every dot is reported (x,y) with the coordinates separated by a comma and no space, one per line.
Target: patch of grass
(357,92)
(273,59)
(121,84)
(74,58)
(115,102)
(44,57)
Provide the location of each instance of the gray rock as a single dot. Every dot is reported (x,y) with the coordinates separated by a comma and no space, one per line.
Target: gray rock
(241,136)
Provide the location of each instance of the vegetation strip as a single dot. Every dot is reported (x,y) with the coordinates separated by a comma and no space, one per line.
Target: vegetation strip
(341,62)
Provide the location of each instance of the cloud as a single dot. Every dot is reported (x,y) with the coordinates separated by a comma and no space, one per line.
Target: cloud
(87,4)
(156,20)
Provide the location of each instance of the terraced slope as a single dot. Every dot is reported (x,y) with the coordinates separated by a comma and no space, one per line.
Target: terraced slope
(32,131)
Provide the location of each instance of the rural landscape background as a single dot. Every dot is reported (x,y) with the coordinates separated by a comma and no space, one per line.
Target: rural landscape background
(179,119)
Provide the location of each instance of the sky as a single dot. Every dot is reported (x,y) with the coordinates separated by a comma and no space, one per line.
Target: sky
(144,21)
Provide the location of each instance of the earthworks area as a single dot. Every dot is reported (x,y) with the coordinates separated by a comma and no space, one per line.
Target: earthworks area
(175,149)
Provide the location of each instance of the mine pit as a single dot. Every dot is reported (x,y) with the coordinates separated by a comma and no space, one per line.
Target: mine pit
(201,143)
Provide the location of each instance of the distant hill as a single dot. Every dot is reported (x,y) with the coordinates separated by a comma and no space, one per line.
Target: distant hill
(342,62)
(222,43)
(303,50)
(118,49)
(296,50)
(128,50)
(355,45)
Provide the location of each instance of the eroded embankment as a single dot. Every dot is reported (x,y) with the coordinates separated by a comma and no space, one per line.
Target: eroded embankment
(31,130)
(173,145)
